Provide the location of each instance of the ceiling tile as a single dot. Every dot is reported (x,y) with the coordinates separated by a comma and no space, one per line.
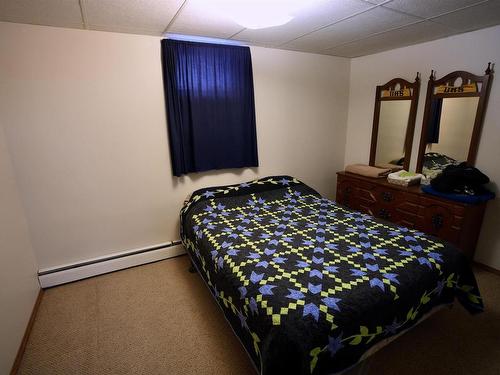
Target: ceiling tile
(195,20)
(145,16)
(64,13)
(309,19)
(429,8)
(376,1)
(362,25)
(408,35)
(473,18)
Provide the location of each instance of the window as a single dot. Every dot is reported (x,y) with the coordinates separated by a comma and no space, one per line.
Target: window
(210,106)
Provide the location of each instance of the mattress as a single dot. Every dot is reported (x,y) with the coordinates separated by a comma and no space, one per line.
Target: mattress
(310,286)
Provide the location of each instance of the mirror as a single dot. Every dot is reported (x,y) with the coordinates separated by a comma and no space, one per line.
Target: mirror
(393,123)
(453,117)
(392,131)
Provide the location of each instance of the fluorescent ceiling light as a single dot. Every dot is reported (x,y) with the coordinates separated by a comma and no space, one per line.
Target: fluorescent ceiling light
(255,14)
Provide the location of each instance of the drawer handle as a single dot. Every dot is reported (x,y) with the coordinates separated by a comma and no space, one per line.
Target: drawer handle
(387,196)
(437,221)
(384,214)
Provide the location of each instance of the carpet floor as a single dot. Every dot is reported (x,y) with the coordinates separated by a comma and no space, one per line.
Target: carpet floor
(161,319)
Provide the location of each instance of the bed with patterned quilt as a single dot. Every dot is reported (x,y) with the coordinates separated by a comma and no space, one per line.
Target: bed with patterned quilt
(310,286)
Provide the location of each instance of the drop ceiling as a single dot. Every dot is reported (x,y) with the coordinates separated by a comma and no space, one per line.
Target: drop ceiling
(347,28)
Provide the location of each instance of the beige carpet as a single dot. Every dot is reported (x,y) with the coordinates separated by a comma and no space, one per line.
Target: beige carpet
(161,319)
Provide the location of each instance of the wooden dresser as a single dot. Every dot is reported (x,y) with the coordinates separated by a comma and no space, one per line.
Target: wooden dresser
(455,222)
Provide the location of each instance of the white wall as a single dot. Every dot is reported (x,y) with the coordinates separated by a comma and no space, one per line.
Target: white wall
(18,279)
(84,117)
(471,52)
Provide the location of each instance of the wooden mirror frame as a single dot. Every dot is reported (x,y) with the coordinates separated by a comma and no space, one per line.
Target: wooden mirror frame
(483,95)
(410,126)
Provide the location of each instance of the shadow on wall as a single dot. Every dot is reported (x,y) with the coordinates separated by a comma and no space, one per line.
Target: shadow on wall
(488,238)
(194,178)
(194,181)
(492,186)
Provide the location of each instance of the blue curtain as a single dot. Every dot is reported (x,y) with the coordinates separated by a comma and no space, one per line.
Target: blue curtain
(434,120)
(210,106)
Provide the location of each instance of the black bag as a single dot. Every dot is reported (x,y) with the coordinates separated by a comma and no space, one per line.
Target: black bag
(461,179)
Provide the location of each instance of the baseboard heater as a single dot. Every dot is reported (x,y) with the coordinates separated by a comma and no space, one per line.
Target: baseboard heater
(113,262)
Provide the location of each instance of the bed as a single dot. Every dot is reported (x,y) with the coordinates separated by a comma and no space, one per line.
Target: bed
(310,286)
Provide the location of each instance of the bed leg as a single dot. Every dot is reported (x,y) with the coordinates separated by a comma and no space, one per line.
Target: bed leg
(192,268)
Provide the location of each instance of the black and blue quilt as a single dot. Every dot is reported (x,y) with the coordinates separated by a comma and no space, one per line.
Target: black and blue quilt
(308,285)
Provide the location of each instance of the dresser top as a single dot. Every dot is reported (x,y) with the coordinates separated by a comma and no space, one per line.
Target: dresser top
(414,189)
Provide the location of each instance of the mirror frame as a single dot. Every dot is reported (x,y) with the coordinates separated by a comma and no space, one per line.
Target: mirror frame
(410,126)
(449,79)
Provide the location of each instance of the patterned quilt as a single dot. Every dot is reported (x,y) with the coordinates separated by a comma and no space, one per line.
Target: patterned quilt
(307,285)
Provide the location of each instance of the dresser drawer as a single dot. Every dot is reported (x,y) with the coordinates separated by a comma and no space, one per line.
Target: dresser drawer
(401,205)
(440,220)
(387,195)
(408,208)
(367,194)
(455,207)
(391,213)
